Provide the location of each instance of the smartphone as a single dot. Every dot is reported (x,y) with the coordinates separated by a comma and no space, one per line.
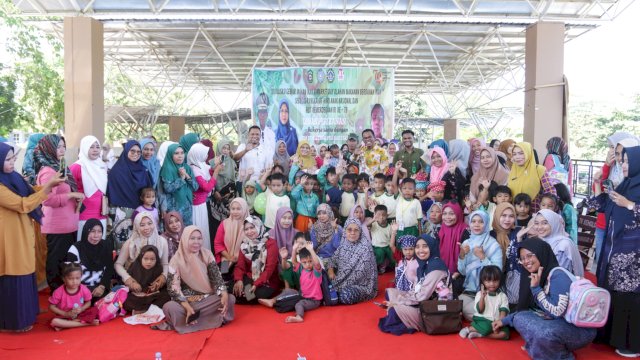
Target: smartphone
(193,317)
(224,267)
(63,167)
(608,185)
(222,159)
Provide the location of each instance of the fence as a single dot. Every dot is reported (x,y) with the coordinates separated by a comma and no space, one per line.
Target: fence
(583,171)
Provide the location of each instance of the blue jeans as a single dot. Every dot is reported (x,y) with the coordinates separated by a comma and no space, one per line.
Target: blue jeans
(599,235)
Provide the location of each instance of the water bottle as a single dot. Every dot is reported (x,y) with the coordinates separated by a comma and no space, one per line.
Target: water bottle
(300,357)
(75,306)
(158,356)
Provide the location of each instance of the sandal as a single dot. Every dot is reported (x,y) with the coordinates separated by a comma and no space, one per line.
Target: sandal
(163,326)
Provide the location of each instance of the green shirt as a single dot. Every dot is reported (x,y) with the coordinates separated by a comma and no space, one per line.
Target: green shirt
(411,161)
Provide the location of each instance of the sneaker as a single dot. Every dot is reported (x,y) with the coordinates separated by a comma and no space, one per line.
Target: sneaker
(473,335)
(627,353)
(464,332)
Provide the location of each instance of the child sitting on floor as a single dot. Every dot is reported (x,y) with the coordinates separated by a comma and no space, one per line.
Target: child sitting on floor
(491,304)
(149,287)
(310,273)
(406,270)
(72,302)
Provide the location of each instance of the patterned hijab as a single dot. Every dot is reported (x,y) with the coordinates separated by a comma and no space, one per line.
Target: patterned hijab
(167,231)
(557,146)
(16,183)
(526,178)
(228,172)
(192,267)
(283,236)
(27,164)
(255,250)
(282,159)
(504,148)
(355,262)
(352,215)
(324,230)
(46,154)
(234,229)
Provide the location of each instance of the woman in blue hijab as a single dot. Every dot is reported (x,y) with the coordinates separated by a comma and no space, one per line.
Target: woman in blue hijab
(285,131)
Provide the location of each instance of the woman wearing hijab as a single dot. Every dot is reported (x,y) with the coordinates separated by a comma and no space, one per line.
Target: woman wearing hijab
(145,270)
(27,163)
(528,177)
(459,152)
(19,210)
(149,159)
(480,250)
(456,178)
(441,143)
(90,173)
(160,195)
(474,157)
(230,235)
(144,233)
(188,140)
(325,233)
(439,164)
(126,179)
(303,160)
(490,170)
(549,226)
(403,314)
(506,232)
(619,262)
(197,159)
(178,183)
(173,227)
(60,221)
(95,256)
(284,232)
(211,154)
(543,303)
(256,272)
(506,147)
(452,233)
(356,277)
(285,130)
(281,156)
(195,286)
(358,213)
(558,153)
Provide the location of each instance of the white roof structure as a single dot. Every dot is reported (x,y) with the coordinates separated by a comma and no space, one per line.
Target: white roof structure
(462,53)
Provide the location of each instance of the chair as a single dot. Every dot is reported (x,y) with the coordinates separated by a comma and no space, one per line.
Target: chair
(586,237)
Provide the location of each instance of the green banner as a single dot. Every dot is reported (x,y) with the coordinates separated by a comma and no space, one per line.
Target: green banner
(324,105)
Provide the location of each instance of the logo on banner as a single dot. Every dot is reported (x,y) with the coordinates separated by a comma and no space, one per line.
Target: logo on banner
(331,75)
(320,76)
(340,74)
(310,76)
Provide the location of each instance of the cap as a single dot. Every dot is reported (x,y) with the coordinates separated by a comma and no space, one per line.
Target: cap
(353,136)
(262,102)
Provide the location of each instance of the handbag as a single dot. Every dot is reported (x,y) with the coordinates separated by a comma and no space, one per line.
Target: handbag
(329,293)
(286,303)
(441,316)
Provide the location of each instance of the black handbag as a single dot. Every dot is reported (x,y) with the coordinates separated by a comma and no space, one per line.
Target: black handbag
(286,303)
(441,316)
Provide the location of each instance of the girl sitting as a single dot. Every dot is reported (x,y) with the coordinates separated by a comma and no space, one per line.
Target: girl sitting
(145,270)
(491,304)
(407,266)
(72,301)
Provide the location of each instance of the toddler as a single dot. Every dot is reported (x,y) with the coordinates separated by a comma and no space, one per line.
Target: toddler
(491,304)
(72,302)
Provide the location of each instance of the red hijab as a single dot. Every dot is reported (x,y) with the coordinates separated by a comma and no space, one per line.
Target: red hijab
(451,236)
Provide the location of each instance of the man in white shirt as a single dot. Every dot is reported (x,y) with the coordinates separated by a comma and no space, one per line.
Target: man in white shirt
(268,138)
(252,155)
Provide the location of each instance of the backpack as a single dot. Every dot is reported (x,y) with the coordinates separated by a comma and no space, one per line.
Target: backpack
(558,173)
(329,293)
(111,305)
(588,304)
(286,303)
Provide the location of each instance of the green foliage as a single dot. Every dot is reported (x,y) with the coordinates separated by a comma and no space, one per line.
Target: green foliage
(39,86)
(11,113)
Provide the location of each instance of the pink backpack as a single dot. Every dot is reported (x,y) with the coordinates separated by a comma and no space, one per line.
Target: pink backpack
(111,305)
(588,304)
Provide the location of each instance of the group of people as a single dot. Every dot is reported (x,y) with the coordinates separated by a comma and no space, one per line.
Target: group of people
(213,227)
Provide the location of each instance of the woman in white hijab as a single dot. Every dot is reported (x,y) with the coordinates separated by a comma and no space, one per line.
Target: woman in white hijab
(550,228)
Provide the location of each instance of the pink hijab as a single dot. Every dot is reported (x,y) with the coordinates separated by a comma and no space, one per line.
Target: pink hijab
(437,173)
(451,236)
(192,267)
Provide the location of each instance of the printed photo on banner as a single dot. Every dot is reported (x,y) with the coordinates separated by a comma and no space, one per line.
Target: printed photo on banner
(323,105)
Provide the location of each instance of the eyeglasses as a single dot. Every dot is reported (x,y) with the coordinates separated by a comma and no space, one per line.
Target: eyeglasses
(526,258)
(135,152)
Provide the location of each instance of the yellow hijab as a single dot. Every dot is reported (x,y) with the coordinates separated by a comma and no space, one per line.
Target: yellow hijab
(526,178)
(307,162)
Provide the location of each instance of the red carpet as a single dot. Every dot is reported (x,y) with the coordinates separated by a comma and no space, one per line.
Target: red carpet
(342,332)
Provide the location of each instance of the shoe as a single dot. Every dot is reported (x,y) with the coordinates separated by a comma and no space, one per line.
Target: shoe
(627,353)
(464,332)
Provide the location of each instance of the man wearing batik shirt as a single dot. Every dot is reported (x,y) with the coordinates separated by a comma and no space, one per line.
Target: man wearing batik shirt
(372,158)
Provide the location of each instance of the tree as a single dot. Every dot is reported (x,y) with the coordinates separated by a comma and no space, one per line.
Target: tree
(38,86)
(11,112)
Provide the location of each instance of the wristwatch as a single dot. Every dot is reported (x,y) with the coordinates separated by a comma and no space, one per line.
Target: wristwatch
(631,206)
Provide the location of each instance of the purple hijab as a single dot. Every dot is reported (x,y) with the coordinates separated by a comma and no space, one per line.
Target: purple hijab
(284,237)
